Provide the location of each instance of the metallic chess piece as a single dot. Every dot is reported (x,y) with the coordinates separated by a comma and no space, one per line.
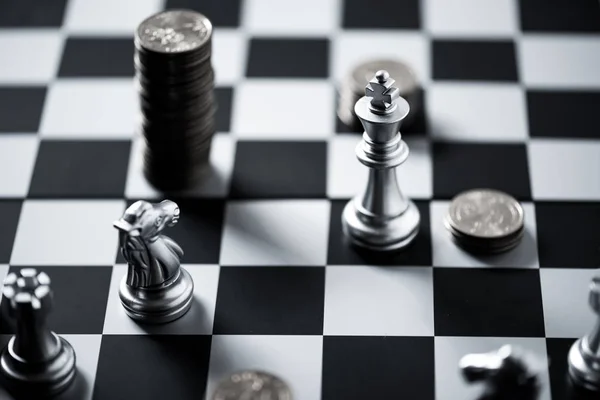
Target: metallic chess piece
(584,356)
(36,362)
(508,373)
(156,289)
(381,217)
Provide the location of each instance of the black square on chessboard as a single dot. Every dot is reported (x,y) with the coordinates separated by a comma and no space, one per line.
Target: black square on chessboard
(270,301)
(10,211)
(558,350)
(567,234)
(463,166)
(563,114)
(80,169)
(152,367)
(488,302)
(384,14)
(478,60)
(21,108)
(97,57)
(288,58)
(221,13)
(340,252)
(198,230)
(568,16)
(271,169)
(32,13)
(382,367)
(224,98)
(561,384)
(80,294)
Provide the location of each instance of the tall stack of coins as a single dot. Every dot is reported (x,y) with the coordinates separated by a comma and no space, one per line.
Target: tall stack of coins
(175,83)
(353,88)
(485,221)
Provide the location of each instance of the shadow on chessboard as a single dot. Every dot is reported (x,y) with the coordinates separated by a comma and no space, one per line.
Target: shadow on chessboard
(76,391)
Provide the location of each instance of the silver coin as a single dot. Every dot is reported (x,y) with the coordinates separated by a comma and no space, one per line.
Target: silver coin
(174,31)
(405,77)
(252,385)
(485,213)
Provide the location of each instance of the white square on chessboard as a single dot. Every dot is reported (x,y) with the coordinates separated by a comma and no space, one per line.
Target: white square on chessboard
(447,254)
(565,292)
(283,109)
(567,62)
(296,359)
(87,351)
(378,301)
(281,18)
(229,55)
(67,232)
(276,232)
(471,18)
(564,169)
(17,160)
(197,321)
(34,56)
(353,48)
(109,17)
(477,112)
(450,385)
(346,176)
(216,183)
(90,109)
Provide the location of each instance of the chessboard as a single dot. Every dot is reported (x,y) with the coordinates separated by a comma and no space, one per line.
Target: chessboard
(510,95)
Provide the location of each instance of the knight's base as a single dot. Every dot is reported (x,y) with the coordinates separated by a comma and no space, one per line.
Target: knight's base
(391,235)
(158,305)
(42,379)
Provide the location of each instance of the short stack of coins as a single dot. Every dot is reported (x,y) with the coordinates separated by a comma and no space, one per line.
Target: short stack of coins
(485,221)
(175,83)
(353,88)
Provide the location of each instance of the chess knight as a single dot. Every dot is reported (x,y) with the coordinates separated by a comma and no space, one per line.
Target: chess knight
(156,289)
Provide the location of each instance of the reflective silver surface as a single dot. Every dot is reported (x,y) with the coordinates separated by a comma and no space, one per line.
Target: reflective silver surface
(36,362)
(252,385)
(485,213)
(584,356)
(174,31)
(156,289)
(381,217)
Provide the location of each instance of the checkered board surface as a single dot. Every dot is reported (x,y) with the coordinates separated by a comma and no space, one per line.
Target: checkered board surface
(511,96)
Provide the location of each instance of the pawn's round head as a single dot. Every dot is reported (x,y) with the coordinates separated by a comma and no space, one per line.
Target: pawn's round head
(27,290)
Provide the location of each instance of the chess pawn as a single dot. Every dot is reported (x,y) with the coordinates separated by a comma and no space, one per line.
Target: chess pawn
(584,356)
(381,218)
(506,372)
(156,289)
(36,362)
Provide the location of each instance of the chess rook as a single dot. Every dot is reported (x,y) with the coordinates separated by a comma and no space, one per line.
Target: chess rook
(155,289)
(381,217)
(35,362)
(584,356)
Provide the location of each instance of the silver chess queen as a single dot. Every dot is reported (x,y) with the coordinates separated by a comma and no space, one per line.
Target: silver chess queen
(156,289)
